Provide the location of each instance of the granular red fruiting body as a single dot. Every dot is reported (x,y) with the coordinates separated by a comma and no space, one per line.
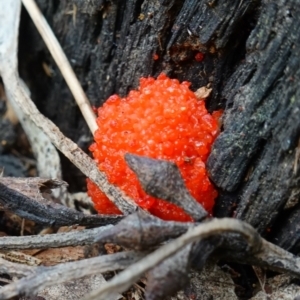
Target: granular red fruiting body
(164,120)
(155,56)
(102,204)
(199,56)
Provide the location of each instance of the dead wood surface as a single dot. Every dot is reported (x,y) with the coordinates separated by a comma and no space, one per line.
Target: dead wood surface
(251,61)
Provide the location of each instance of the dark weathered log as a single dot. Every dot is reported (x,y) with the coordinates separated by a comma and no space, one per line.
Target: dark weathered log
(111,44)
(286,233)
(255,155)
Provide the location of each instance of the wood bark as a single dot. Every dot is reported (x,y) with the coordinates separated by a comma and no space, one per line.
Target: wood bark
(251,60)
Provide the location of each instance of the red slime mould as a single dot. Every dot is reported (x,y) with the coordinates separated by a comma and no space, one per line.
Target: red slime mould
(163,119)
(155,56)
(199,56)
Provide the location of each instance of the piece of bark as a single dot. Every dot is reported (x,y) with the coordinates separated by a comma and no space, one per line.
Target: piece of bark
(33,187)
(14,269)
(20,257)
(51,257)
(162,179)
(123,48)
(254,156)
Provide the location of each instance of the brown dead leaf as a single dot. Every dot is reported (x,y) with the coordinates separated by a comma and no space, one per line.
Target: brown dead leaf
(20,257)
(32,187)
(54,256)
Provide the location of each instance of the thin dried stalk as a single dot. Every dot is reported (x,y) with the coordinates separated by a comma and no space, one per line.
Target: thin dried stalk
(33,206)
(66,146)
(64,239)
(43,277)
(125,279)
(15,269)
(62,63)
(258,252)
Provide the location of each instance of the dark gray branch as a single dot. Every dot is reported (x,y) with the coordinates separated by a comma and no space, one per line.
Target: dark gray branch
(14,269)
(46,212)
(64,239)
(142,231)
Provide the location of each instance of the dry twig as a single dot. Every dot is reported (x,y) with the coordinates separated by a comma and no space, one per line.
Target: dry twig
(15,269)
(64,239)
(15,90)
(125,279)
(47,157)
(30,204)
(62,63)
(42,277)
(258,252)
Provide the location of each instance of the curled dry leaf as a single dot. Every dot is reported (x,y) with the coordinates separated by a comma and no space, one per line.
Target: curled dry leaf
(33,206)
(162,179)
(32,187)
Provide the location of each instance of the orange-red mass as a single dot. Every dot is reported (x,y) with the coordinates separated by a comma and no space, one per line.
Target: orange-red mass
(163,119)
